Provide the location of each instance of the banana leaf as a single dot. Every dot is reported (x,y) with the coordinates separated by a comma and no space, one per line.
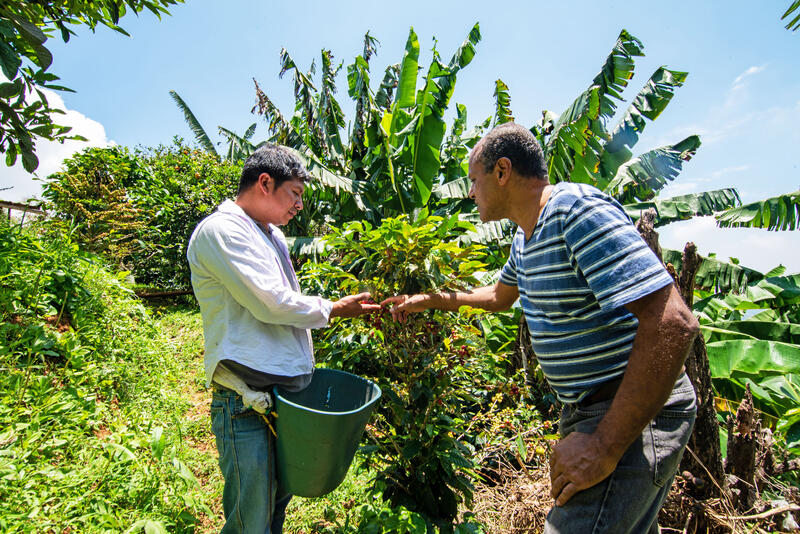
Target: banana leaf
(407,82)
(642,177)
(750,329)
(502,104)
(648,104)
(200,134)
(753,357)
(795,22)
(714,274)
(776,213)
(684,207)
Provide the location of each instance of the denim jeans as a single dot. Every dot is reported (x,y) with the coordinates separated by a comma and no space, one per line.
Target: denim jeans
(628,501)
(246,449)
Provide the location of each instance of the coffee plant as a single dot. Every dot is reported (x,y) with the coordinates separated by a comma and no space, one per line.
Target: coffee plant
(432,369)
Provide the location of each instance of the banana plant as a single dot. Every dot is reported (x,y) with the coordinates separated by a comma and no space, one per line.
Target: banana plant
(753,339)
(398,158)
(239,147)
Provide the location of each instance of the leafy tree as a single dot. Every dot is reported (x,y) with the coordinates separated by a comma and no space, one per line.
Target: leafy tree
(91,192)
(139,209)
(25,26)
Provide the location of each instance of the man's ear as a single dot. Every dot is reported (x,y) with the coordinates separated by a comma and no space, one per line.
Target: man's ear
(265,183)
(503,168)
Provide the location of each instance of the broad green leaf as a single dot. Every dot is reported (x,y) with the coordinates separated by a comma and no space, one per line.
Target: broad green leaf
(407,83)
(648,104)
(715,274)
(763,330)
(685,207)
(306,246)
(502,104)
(752,357)
(455,189)
(776,213)
(10,61)
(642,177)
(158,442)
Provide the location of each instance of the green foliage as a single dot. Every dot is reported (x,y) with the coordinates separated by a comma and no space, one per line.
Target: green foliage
(82,381)
(776,213)
(182,187)
(794,23)
(753,340)
(716,275)
(25,26)
(398,150)
(91,191)
(426,367)
(139,210)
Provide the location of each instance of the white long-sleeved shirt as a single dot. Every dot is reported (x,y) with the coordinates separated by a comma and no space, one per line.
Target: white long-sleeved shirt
(252,308)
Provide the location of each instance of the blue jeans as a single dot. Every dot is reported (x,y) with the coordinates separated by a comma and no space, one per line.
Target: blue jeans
(246,449)
(628,501)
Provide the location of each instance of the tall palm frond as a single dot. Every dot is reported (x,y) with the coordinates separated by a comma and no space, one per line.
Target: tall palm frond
(200,134)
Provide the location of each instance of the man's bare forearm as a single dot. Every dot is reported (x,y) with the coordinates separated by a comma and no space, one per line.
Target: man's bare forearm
(659,350)
(666,332)
(485,298)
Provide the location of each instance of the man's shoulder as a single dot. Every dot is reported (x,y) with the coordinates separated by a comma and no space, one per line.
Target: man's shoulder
(216,227)
(567,194)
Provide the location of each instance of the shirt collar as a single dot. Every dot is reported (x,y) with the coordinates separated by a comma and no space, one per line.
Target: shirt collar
(229,206)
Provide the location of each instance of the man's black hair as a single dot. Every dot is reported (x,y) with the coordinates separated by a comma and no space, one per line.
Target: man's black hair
(275,160)
(518,144)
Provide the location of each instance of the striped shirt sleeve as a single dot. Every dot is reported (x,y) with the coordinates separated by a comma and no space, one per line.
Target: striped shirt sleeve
(508,274)
(617,264)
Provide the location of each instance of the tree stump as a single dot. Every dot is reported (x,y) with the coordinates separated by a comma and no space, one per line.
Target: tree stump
(704,461)
(743,443)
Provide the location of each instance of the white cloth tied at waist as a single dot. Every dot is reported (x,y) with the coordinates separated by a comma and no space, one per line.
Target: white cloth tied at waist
(260,401)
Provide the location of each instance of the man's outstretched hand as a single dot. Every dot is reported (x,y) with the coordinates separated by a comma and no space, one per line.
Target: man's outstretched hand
(403,305)
(354,305)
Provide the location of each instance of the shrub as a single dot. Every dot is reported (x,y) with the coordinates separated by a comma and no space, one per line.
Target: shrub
(427,368)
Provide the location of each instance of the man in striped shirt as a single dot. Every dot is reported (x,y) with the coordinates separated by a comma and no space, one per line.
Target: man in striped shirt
(608,327)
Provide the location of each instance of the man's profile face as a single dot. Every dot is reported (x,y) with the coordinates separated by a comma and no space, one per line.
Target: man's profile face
(284,201)
(482,186)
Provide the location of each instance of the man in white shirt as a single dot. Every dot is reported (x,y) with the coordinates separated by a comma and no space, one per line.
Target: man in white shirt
(256,325)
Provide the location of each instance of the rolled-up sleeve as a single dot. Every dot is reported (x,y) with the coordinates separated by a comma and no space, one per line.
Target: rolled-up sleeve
(225,250)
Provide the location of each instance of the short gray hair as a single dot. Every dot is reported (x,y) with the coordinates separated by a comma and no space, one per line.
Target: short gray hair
(518,144)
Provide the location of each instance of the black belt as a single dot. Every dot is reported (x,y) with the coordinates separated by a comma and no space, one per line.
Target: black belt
(605,392)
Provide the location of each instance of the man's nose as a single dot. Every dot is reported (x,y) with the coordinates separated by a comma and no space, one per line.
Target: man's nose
(299,204)
(471,193)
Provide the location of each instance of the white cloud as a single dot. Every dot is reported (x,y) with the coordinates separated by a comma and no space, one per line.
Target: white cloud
(51,154)
(757,249)
(749,72)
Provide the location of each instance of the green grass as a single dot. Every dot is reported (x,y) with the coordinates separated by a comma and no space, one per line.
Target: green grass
(99,425)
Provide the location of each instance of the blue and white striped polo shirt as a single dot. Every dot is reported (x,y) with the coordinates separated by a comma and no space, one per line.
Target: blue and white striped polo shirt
(583,263)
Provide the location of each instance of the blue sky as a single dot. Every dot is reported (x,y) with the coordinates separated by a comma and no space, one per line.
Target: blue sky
(742,95)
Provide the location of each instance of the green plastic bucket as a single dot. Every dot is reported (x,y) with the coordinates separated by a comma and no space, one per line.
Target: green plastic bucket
(319,429)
